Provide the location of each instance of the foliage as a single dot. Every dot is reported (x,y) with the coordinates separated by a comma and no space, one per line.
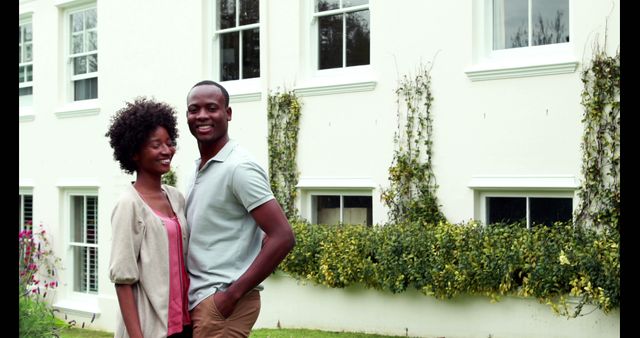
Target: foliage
(600,190)
(284,123)
(37,281)
(288,333)
(553,264)
(411,195)
(37,267)
(37,318)
(170,178)
(74,332)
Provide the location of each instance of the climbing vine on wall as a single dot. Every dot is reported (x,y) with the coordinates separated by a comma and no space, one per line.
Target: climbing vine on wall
(411,195)
(600,189)
(284,123)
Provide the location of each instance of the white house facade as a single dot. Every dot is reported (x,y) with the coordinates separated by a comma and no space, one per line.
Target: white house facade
(506,113)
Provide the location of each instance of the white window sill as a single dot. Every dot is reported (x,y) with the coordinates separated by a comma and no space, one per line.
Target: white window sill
(243,90)
(337,81)
(69,3)
(26,8)
(492,72)
(27,114)
(78,108)
(77,183)
(26,182)
(88,306)
(524,62)
(523,182)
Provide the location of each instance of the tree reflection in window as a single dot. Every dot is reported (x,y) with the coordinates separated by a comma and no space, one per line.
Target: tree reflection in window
(343,34)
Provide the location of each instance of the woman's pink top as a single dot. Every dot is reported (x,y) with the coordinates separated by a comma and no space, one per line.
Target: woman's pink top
(178,286)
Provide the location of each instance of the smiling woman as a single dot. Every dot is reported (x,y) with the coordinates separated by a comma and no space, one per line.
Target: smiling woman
(148,225)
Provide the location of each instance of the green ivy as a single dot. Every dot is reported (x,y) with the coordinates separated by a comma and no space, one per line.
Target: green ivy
(600,190)
(411,195)
(170,178)
(548,263)
(284,123)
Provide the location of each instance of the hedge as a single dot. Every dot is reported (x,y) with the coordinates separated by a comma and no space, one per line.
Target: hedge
(552,264)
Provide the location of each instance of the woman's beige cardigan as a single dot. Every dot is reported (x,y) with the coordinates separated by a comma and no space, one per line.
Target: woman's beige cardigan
(140,256)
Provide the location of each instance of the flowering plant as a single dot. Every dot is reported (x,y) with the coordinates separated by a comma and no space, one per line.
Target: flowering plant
(37,263)
(37,275)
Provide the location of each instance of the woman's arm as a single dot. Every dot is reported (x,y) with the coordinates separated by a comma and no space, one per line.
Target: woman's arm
(129,310)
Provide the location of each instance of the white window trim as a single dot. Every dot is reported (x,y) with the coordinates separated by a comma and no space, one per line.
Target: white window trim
(26,182)
(70,7)
(78,183)
(514,62)
(522,182)
(25,8)
(342,11)
(27,19)
(335,80)
(336,183)
(520,186)
(521,194)
(22,191)
(81,302)
(26,114)
(242,90)
(78,108)
(245,90)
(342,186)
(64,4)
(310,193)
(338,80)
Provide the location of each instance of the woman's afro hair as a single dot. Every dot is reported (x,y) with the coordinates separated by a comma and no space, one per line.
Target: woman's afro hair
(131,126)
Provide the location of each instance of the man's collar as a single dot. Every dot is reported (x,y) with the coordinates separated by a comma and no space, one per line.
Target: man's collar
(223,154)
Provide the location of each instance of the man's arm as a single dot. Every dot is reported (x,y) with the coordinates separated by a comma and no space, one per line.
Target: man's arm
(278,242)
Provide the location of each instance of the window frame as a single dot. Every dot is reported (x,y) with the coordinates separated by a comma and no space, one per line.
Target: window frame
(522,194)
(22,193)
(549,186)
(346,186)
(530,26)
(68,195)
(330,81)
(27,20)
(490,64)
(315,36)
(240,90)
(313,216)
(69,55)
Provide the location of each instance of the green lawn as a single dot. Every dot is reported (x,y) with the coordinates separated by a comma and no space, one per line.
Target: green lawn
(259,333)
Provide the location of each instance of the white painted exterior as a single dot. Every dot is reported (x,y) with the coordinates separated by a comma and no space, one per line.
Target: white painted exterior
(498,119)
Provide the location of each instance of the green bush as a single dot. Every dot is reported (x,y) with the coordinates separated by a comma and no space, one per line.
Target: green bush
(446,260)
(36,279)
(37,318)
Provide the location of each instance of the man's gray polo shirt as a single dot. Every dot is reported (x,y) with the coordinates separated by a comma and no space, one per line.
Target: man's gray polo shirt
(224,238)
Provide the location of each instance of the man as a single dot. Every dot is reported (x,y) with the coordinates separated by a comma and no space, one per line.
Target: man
(239,233)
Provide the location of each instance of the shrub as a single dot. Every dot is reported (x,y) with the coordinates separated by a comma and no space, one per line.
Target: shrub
(37,271)
(446,260)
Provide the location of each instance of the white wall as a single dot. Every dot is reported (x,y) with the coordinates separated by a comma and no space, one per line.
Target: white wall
(517,126)
(356,309)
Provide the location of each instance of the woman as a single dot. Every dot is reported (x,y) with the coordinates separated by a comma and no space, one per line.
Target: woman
(149,235)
